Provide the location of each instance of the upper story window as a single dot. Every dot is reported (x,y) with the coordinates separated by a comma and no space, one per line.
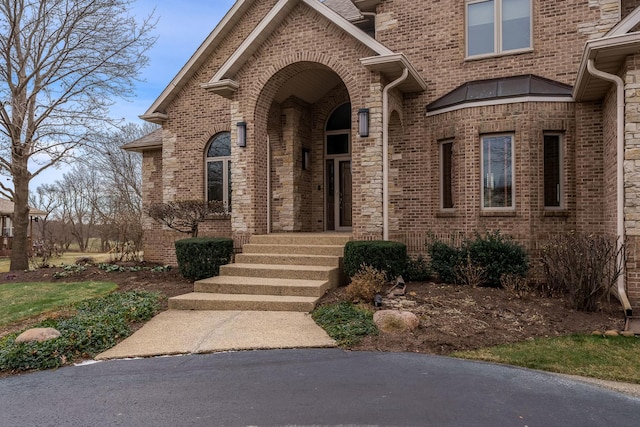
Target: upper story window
(498,26)
(218,164)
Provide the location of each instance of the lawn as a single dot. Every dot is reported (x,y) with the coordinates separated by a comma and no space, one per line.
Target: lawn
(607,358)
(24,300)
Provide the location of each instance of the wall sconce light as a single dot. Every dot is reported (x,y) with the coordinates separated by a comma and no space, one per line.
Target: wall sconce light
(363,122)
(242,134)
(306,159)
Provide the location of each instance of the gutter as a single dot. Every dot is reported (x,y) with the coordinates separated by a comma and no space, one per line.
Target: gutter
(385,151)
(621,281)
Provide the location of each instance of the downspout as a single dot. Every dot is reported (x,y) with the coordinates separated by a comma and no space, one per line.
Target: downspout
(622,294)
(385,151)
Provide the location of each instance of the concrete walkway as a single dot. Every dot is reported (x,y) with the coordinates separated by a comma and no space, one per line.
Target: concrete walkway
(186,332)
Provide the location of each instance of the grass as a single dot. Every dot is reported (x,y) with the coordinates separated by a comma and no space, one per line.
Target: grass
(24,300)
(345,322)
(610,358)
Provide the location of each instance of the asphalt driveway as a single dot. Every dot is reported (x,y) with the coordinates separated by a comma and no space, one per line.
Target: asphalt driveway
(307,387)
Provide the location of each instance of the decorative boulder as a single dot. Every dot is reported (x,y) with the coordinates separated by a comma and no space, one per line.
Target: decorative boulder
(395,321)
(38,334)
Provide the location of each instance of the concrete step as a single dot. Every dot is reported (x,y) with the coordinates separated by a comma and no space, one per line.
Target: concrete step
(261,286)
(284,259)
(301,239)
(208,301)
(324,250)
(304,272)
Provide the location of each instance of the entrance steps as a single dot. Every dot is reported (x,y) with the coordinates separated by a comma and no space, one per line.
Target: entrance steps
(275,272)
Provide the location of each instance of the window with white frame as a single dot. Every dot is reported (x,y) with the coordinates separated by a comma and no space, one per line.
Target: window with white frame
(498,185)
(218,168)
(498,26)
(446,175)
(553,157)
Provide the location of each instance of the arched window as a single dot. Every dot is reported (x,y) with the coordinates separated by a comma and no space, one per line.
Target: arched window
(218,165)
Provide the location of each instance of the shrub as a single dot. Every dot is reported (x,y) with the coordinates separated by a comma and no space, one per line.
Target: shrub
(365,284)
(582,266)
(389,257)
(96,326)
(470,274)
(201,257)
(498,255)
(518,286)
(493,252)
(417,269)
(345,323)
(445,260)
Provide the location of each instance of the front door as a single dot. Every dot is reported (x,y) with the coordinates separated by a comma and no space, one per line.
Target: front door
(339,195)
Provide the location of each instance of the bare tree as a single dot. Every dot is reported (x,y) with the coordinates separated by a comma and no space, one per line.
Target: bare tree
(120,213)
(78,194)
(61,63)
(45,200)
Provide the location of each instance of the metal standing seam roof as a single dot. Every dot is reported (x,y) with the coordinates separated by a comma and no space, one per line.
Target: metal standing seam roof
(501,88)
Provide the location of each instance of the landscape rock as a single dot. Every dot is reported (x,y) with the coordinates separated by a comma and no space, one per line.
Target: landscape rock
(38,334)
(611,333)
(628,334)
(394,321)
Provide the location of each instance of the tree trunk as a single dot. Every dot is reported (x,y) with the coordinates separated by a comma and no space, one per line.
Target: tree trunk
(20,248)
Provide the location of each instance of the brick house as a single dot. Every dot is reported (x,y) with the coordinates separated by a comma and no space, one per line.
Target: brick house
(394,119)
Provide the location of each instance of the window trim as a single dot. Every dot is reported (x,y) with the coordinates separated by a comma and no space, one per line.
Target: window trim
(441,173)
(226,166)
(497,35)
(561,177)
(513,174)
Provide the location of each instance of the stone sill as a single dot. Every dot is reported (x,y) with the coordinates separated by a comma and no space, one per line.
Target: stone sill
(557,214)
(491,214)
(446,214)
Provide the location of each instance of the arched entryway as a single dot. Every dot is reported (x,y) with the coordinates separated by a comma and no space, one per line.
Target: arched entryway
(309,135)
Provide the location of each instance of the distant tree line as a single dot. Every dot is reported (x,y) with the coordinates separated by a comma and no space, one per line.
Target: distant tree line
(99,198)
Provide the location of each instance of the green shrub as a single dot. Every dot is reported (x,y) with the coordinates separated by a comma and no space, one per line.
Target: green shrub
(345,323)
(201,257)
(386,256)
(97,326)
(497,255)
(445,260)
(417,270)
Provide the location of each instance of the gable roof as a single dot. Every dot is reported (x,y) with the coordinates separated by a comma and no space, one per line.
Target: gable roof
(6,209)
(222,83)
(506,88)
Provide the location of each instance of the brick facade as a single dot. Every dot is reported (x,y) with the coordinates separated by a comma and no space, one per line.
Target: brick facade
(432,37)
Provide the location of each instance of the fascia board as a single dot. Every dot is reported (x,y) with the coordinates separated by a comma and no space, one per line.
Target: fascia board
(377,62)
(626,25)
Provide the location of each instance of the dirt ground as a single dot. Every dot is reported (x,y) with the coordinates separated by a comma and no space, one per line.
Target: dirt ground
(454,318)
(451,317)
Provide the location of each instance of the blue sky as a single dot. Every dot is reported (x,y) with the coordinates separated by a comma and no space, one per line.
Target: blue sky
(183,25)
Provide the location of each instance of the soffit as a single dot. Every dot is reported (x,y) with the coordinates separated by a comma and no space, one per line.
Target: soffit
(609,55)
(309,85)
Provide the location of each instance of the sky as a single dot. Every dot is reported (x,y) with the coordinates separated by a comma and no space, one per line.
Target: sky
(182,27)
